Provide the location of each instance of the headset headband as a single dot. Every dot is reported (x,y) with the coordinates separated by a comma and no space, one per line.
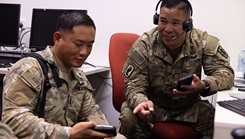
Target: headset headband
(187,1)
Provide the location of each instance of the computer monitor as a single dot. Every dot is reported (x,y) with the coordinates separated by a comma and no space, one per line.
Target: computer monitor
(9,24)
(43,26)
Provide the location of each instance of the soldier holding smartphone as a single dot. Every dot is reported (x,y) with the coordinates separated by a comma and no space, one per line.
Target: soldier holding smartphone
(158,59)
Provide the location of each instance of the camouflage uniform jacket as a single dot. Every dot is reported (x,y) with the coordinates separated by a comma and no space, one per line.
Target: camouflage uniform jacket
(6,132)
(67,105)
(151,74)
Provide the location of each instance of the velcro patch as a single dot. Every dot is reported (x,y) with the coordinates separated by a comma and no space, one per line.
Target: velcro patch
(129,70)
(30,77)
(137,57)
(222,52)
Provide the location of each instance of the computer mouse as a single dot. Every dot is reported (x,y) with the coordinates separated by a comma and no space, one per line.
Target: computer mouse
(241,89)
(238,133)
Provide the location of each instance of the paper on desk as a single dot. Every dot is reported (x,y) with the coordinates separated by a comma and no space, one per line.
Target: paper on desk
(238,94)
(239,82)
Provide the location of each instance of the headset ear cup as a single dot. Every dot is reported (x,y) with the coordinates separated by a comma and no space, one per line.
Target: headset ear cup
(155,18)
(187,25)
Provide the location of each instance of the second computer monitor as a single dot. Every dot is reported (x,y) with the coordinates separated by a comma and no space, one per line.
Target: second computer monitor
(43,26)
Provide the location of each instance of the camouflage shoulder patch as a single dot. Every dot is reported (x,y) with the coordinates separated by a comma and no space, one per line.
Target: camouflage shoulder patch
(129,70)
(222,52)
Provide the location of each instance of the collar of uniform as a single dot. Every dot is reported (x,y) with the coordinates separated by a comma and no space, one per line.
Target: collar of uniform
(81,78)
(159,48)
(185,52)
(47,54)
(156,46)
(186,47)
(187,44)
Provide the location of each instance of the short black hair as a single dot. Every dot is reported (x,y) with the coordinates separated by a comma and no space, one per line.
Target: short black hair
(71,18)
(184,5)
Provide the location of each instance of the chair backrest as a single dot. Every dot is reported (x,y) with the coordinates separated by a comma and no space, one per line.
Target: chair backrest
(120,43)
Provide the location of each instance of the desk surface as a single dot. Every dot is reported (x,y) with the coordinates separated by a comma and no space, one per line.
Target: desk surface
(226,120)
(3,70)
(87,69)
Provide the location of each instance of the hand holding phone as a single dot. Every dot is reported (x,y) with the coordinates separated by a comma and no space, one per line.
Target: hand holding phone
(108,129)
(184,81)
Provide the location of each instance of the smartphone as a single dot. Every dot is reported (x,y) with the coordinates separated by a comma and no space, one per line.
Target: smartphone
(241,89)
(108,129)
(184,81)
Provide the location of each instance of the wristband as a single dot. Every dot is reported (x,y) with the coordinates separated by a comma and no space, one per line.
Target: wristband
(206,89)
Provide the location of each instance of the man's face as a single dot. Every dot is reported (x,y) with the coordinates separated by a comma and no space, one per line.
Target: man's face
(170,25)
(72,48)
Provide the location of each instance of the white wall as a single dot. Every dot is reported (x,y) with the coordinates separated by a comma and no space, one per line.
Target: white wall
(222,18)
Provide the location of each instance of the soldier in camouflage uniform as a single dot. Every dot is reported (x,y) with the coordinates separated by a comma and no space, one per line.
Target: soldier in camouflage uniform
(70,110)
(154,64)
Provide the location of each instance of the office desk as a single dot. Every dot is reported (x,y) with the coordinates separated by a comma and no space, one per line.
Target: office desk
(3,71)
(87,69)
(226,120)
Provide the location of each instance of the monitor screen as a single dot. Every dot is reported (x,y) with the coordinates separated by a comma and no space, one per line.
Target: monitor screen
(9,24)
(43,26)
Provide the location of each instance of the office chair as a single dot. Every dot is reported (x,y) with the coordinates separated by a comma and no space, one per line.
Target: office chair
(120,43)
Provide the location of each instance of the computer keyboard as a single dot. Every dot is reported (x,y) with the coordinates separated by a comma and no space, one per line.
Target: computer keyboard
(236,105)
(16,54)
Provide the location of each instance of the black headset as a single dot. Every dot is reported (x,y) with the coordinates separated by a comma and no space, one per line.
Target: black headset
(187,25)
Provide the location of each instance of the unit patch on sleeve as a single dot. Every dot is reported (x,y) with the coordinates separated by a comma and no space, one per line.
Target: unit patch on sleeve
(222,52)
(129,70)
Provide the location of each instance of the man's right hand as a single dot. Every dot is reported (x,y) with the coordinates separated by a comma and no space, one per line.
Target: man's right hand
(84,130)
(145,110)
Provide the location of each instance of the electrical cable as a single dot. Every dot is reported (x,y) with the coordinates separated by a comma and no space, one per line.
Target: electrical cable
(22,36)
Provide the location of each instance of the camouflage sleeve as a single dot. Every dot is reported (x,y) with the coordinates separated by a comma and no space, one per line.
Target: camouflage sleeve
(20,99)
(136,74)
(6,132)
(216,64)
(91,111)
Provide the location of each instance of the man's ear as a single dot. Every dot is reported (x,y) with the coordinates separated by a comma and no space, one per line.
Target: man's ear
(57,36)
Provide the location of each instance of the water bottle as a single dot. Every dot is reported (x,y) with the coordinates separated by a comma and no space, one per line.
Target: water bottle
(241,62)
